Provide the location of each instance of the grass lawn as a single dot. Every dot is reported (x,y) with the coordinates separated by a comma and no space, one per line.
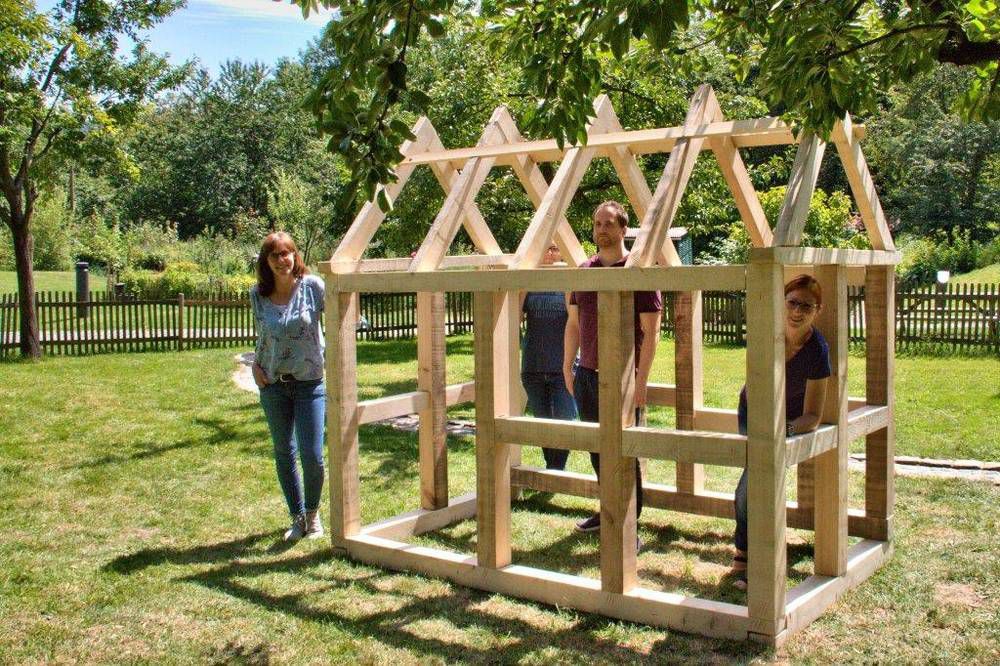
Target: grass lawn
(50,281)
(140,513)
(989,274)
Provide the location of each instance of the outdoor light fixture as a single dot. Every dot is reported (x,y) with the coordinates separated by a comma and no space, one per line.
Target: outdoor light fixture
(943,277)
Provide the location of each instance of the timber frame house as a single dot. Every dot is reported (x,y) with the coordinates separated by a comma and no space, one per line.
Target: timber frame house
(703,436)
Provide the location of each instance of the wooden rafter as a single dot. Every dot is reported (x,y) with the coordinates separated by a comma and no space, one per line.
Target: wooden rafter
(801,185)
(862,186)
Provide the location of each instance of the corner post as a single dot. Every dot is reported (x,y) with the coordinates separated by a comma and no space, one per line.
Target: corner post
(830,468)
(342,414)
(616,397)
(688,379)
(766,448)
(880,361)
(492,456)
(433,418)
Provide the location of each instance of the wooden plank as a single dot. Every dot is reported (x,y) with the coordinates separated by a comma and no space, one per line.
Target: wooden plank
(342,415)
(448,220)
(664,609)
(533,181)
(616,380)
(492,455)
(402,263)
(766,448)
(551,433)
(432,432)
(556,200)
(402,404)
(688,373)
(880,362)
(811,256)
(456,394)
(718,420)
(664,395)
(685,446)
(368,219)
(831,466)
(795,208)
(862,185)
(422,521)
(667,197)
(808,445)
(674,278)
(866,419)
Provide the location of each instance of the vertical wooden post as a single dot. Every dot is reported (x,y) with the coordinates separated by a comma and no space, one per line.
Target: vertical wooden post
(766,448)
(688,379)
(433,418)
(342,414)
(512,399)
(180,322)
(616,360)
(492,456)
(830,516)
(880,341)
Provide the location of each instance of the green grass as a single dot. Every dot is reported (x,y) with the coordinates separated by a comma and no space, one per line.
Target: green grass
(140,513)
(50,281)
(989,274)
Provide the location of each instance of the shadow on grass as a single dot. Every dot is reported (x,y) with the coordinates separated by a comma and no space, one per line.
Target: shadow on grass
(231,568)
(396,455)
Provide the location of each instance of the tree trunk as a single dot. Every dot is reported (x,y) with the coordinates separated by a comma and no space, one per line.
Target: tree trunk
(24,246)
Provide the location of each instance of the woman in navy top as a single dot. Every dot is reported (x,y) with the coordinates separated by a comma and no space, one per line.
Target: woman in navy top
(807,365)
(288,369)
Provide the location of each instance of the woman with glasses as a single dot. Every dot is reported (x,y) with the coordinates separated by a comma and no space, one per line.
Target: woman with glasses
(807,365)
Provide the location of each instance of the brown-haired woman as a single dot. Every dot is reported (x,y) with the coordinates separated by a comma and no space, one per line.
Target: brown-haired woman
(807,365)
(287,302)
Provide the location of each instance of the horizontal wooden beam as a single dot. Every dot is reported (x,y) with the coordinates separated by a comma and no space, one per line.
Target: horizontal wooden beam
(867,419)
(692,446)
(661,395)
(662,609)
(401,404)
(456,394)
(670,278)
(811,256)
(716,420)
(422,521)
(551,433)
(402,263)
(744,134)
(810,444)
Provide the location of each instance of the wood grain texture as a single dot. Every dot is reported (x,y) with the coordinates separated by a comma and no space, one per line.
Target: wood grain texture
(342,415)
(431,371)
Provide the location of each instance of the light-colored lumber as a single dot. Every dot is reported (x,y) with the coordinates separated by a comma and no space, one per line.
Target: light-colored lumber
(389,407)
(432,430)
(831,466)
(422,521)
(663,609)
(402,263)
(550,433)
(556,200)
(616,385)
(688,373)
(795,208)
(667,196)
(811,256)
(674,278)
(342,415)
(855,274)
(456,394)
(368,219)
(448,220)
(766,448)
(685,446)
(808,445)
(718,420)
(663,395)
(865,419)
(533,181)
(880,343)
(862,186)
(492,455)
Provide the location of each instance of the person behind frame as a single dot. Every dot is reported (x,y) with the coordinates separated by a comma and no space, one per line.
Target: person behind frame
(288,369)
(807,365)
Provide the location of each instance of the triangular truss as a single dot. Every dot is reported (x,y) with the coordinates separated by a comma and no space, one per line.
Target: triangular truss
(462,173)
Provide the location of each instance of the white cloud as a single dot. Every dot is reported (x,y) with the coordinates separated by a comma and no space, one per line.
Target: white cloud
(265,10)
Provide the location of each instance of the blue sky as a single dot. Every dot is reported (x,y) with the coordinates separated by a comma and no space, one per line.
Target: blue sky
(214,31)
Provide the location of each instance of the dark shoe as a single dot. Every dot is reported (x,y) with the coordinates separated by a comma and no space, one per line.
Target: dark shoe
(591,524)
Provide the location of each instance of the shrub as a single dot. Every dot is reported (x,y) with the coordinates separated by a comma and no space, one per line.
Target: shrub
(100,244)
(923,257)
(183,277)
(151,246)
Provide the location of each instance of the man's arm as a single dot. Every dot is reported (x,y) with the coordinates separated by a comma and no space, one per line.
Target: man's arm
(650,323)
(571,344)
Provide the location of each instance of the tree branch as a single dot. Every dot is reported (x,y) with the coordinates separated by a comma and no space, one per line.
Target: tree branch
(48,143)
(56,61)
(965,52)
(890,34)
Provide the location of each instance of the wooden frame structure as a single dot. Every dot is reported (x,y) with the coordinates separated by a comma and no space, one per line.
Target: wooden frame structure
(704,436)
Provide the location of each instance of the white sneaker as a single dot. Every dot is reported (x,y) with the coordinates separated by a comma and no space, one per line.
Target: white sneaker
(314,528)
(297,529)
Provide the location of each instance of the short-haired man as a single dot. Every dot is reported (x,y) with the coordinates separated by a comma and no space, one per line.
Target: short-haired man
(610,222)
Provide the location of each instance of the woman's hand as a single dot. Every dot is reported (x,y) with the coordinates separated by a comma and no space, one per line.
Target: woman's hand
(568,379)
(259,377)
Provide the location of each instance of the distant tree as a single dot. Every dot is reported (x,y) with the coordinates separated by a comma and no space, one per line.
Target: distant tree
(66,92)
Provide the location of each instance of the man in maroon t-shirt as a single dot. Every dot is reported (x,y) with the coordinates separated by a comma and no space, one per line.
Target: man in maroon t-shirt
(610,221)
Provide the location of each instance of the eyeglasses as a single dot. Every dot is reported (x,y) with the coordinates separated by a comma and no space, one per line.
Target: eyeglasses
(805,308)
(554,248)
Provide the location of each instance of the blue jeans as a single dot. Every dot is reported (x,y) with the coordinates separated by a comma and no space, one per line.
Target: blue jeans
(740,500)
(549,399)
(586,392)
(295,413)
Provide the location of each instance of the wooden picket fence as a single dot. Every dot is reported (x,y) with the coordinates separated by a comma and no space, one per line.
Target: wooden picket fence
(962,318)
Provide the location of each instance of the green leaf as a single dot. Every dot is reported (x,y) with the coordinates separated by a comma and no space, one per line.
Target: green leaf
(397,74)
(434,27)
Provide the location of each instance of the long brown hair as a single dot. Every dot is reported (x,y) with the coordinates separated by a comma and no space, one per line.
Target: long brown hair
(265,276)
